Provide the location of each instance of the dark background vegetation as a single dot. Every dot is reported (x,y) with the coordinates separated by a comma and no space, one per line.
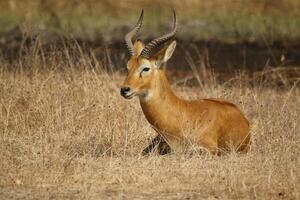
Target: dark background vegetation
(225,35)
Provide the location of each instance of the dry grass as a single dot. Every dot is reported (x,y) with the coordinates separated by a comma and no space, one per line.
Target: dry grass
(66,133)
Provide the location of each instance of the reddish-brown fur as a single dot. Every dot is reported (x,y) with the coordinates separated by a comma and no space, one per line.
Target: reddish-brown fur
(214,124)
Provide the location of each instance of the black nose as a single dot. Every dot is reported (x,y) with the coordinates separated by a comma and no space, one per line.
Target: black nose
(124,90)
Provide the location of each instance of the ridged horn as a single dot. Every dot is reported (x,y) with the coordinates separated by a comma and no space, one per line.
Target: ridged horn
(132,33)
(148,50)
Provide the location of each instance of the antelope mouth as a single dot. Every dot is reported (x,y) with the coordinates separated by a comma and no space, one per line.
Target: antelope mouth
(129,96)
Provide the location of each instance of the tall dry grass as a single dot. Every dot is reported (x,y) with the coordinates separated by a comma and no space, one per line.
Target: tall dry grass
(65,132)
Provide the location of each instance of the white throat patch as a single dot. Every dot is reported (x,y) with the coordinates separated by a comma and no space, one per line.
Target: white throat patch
(146,97)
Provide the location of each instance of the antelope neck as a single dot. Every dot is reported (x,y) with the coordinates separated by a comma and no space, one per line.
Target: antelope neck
(161,92)
(163,104)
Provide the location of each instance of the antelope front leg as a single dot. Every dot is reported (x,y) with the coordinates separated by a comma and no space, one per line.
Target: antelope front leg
(157,143)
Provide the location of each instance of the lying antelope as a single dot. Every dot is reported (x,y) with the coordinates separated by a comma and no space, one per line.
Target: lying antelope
(213,124)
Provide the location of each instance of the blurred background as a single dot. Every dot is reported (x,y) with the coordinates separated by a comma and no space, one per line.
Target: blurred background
(224,35)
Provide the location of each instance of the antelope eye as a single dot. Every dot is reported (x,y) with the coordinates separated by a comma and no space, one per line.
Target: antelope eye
(146,69)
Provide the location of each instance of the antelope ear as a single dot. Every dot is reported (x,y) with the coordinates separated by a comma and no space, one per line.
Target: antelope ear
(165,54)
(169,51)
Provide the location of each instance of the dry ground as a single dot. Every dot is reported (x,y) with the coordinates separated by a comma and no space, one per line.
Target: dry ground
(66,133)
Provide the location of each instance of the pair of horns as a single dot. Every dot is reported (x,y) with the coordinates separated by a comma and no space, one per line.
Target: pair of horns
(154,44)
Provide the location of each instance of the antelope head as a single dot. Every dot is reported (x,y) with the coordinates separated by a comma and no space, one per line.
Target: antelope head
(146,61)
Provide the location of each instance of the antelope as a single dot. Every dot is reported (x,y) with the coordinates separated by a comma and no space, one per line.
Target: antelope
(216,125)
